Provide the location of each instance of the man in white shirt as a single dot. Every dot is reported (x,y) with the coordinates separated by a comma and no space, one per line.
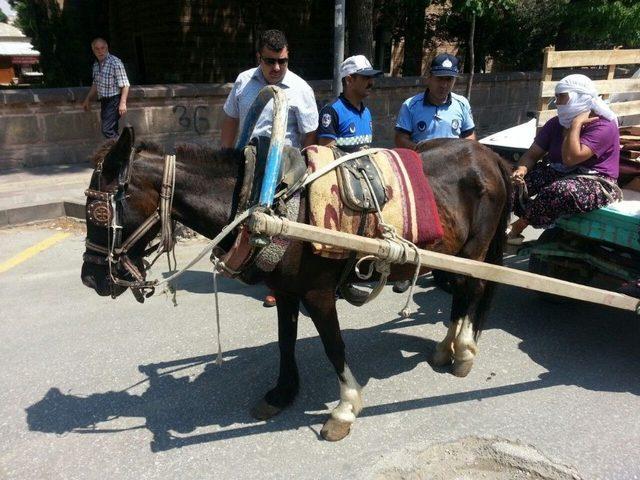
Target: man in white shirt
(273,58)
(302,119)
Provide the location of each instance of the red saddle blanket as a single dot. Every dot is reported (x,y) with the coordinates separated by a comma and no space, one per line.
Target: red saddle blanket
(410,207)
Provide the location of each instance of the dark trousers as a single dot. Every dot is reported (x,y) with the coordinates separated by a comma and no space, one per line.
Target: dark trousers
(109,116)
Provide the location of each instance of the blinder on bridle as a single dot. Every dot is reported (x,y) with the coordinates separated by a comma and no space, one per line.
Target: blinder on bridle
(106,209)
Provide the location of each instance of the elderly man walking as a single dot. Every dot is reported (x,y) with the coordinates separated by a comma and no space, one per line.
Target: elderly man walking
(111,84)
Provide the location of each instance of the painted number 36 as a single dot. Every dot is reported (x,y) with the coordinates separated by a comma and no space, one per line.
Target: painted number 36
(200,122)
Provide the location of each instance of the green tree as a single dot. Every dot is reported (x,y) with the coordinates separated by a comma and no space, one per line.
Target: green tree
(471,10)
(477,20)
(360,28)
(514,37)
(62,36)
(407,20)
(3,17)
(602,24)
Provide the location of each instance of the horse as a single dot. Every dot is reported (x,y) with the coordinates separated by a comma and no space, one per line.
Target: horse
(471,185)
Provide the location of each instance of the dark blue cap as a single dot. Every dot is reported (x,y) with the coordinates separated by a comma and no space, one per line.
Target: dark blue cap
(445,65)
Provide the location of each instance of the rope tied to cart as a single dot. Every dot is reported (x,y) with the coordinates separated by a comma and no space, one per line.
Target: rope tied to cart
(398,253)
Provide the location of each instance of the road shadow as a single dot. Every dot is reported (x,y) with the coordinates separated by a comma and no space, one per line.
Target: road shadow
(173,401)
(578,344)
(201,282)
(583,344)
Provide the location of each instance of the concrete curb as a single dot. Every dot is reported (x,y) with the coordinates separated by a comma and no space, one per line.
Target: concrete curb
(47,211)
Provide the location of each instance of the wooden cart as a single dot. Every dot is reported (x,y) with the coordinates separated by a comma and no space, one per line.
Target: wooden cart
(600,248)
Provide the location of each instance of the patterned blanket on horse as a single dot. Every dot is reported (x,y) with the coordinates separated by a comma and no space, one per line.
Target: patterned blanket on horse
(410,206)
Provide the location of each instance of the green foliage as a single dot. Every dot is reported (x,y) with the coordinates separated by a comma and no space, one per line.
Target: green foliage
(514,33)
(482,8)
(3,17)
(62,37)
(603,24)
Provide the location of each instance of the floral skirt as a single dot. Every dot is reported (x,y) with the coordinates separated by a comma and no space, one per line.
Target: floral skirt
(557,194)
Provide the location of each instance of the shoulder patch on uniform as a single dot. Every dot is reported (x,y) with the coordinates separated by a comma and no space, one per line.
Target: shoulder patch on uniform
(326,120)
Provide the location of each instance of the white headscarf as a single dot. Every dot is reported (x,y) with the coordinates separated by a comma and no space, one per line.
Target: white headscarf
(583,97)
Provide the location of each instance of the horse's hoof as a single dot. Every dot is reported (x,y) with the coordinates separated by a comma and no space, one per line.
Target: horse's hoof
(334,430)
(461,368)
(441,359)
(264,411)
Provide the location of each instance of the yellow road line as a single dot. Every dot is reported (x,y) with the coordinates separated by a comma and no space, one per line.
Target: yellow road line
(31,251)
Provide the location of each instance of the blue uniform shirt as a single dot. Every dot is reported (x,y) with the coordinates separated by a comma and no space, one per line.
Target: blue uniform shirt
(349,126)
(423,120)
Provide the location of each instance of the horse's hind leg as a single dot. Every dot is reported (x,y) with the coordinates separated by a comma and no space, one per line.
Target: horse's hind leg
(444,350)
(465,310)
(322,308)
(459,346)
(465,348)
(286,389)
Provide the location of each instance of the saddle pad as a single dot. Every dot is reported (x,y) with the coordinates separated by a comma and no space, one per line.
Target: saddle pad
(410,209)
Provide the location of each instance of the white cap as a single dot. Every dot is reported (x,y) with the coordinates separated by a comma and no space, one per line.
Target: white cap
(359,65)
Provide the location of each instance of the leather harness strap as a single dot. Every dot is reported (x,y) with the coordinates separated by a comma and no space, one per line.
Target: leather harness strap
(116,251)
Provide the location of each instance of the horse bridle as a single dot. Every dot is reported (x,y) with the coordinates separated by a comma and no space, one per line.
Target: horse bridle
(107,209)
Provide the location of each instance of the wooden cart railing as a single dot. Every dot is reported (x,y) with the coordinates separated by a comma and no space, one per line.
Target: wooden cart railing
(590,58)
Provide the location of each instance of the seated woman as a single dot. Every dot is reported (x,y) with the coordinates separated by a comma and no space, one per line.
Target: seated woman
(583,143)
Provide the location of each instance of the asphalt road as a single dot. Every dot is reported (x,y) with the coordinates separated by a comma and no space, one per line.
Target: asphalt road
(96,388)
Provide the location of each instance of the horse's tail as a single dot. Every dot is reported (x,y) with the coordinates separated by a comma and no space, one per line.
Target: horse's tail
(496,247)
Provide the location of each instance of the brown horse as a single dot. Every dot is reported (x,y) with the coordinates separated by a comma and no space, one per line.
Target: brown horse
(472,190)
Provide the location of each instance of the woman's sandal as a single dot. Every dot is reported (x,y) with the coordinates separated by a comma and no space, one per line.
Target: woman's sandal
(513,239)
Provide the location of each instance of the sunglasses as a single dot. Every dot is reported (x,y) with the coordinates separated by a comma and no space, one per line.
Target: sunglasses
(273,61)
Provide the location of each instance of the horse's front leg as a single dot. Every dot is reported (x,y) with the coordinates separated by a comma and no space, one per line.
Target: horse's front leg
(286,389)
(322,308)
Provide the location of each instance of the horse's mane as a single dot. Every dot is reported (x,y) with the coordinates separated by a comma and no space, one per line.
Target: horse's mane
(150,147)
(201,157)
(192,156)
(102,151)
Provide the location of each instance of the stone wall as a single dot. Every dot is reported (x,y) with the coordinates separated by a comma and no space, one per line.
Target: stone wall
(49,127)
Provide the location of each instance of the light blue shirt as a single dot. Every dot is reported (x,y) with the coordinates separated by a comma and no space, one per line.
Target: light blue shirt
(425,121)
(303,112)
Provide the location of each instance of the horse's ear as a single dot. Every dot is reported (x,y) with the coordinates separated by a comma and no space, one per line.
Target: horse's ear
(119,153)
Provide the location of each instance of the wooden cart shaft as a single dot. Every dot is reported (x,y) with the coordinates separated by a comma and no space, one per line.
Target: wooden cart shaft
(263,224)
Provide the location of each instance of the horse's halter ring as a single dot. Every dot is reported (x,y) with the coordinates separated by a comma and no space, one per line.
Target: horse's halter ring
(105,211)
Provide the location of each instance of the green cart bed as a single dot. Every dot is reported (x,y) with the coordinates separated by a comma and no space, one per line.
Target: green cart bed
(618,224)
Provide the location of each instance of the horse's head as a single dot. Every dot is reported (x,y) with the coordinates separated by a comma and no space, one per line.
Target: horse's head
(117,213)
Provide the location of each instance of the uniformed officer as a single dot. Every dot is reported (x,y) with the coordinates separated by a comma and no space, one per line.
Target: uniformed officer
(346,122)
(437,112)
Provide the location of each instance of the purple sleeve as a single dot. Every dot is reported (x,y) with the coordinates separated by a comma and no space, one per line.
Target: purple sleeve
(543,137)
(599,137)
